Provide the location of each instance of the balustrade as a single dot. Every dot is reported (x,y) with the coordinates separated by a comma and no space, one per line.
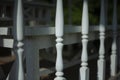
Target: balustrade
(59,33)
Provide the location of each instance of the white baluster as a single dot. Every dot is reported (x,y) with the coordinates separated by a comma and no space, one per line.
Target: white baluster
(84,70)
(19,36)
(59,46)
(101,61)
(114,45)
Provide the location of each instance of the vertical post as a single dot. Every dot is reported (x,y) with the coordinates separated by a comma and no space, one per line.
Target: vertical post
(101,61)
(32,60)
(59,45)
(19,37)
(84,70)
(114,45)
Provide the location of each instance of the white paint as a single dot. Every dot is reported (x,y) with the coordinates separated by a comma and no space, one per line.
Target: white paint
(19,36)
(85,20)
(7,43)
(101,61)
(4,31)
(84,70)
(59,24)
(114,45)
(59,45)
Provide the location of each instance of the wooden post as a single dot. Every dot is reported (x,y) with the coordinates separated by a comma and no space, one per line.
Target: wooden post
(84,70)
(19,37)
(32,60)
(101,61)
(59,45)
(114,44)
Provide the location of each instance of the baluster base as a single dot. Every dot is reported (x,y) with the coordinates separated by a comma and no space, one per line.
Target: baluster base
(113,65)
(84,73)
(60,78)
(101,69)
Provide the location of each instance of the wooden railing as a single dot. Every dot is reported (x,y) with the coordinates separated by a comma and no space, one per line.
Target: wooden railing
(36,38)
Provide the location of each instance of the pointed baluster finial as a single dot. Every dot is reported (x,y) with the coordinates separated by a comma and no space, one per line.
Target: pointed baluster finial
(4,12)
(114,44)
(101,61)
(84,70)
(59,24)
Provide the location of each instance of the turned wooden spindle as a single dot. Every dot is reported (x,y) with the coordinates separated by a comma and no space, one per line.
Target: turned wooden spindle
(101,60)
(84,70)
(59,24)
(114,44)
(19,37)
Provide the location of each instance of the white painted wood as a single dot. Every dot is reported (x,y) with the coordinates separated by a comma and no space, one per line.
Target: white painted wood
(85,23)
(59,24)
(114,44)
(3,30)
(101,61)
(19,37)
(8,43)
(84,70)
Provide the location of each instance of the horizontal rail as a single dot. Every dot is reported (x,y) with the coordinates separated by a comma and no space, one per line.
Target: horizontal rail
(38,31)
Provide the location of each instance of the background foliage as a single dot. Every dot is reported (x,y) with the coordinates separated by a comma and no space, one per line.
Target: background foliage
(94,11)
